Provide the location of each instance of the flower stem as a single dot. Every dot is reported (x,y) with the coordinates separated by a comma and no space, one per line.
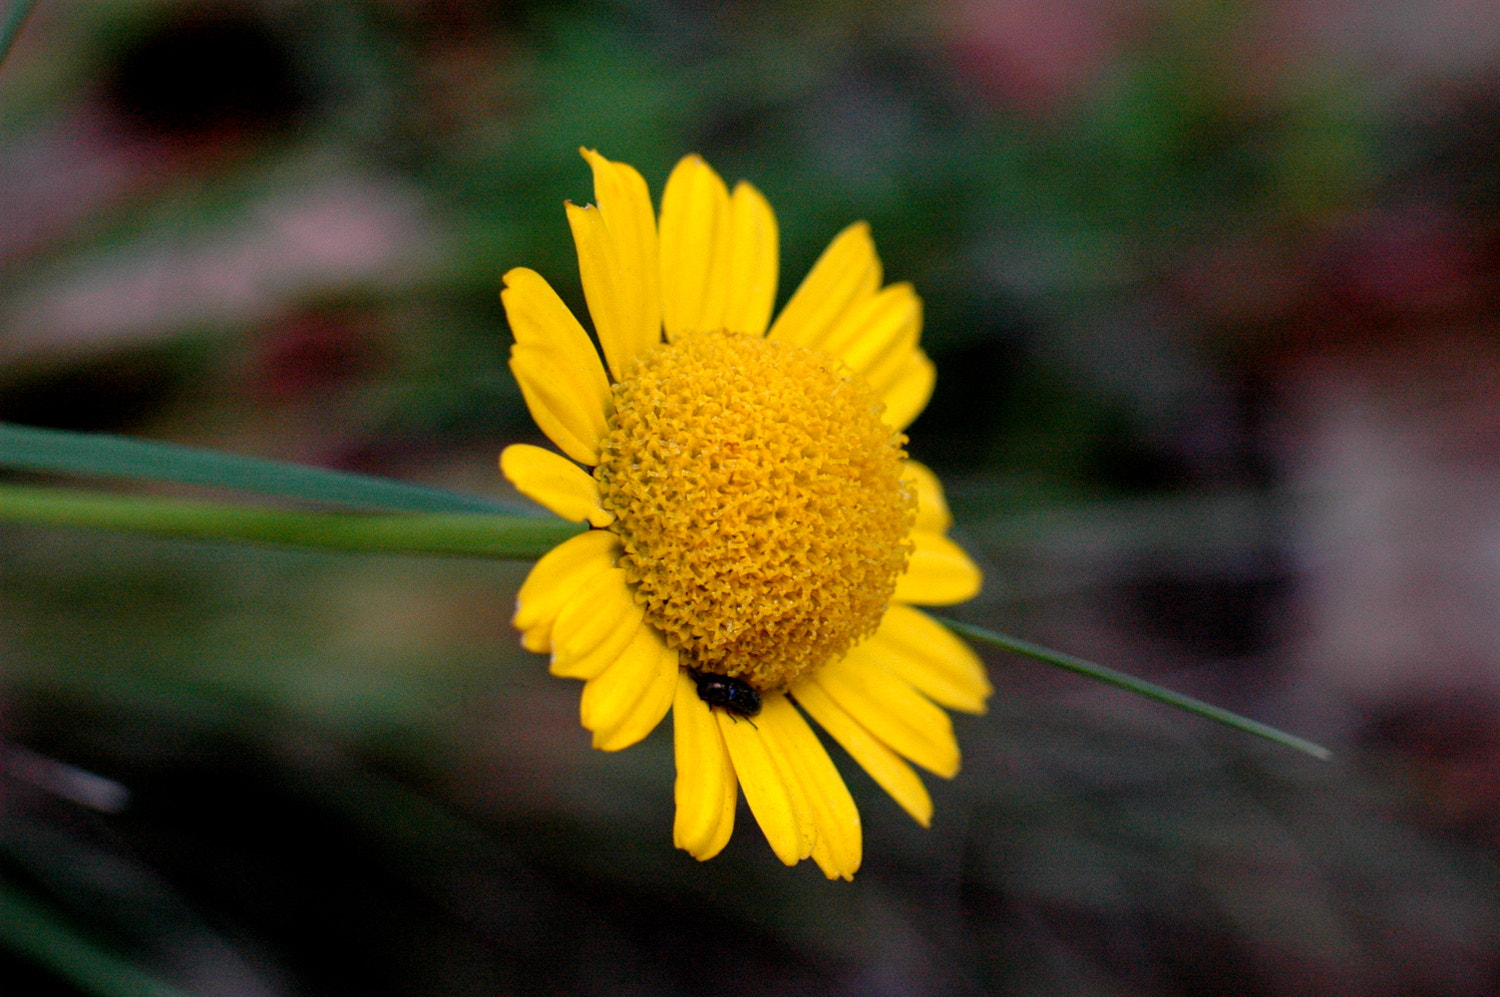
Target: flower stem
(459,534)
(1140,687)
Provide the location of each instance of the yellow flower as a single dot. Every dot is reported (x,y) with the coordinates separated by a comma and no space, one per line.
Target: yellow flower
(755,516)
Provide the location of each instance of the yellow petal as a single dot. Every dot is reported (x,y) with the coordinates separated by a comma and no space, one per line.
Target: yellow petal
(932,658)
(838,847)
(753,261)
(932,507)
(706,790)
(845,276)
(611,294)
(876,336)
(551,393)
(595,627)
(555,579)
(939,573)
(909,391)
(695,249)
(892,710)
(556,482)
(592,663)
(887,768)
(649,710)
(776,798)
(885,354)
(618,261)
(626,702)
(556,366)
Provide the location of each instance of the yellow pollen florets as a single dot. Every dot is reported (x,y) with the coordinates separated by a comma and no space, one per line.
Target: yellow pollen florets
(759,501)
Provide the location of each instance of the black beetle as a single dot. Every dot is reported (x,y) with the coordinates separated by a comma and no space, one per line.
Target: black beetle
(736,696)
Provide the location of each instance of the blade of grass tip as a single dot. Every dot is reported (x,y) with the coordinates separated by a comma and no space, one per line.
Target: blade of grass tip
(42,937)
(95,455)
(1140,687)
(10,28)
(457,534)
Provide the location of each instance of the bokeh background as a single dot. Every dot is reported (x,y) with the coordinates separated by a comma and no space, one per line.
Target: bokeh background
(1211,291)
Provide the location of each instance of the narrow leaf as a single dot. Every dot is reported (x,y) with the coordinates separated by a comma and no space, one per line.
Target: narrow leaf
(40,935)
(95,455)
(1140,687)
(10,28)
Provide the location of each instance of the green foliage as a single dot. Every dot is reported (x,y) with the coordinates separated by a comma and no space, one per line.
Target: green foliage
(91,455)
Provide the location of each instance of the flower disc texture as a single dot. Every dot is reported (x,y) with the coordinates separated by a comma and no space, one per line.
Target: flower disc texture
(754,513)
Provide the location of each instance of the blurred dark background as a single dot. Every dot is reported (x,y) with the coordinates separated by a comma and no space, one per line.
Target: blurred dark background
(1211,292)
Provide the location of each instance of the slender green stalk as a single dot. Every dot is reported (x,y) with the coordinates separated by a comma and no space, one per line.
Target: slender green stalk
(1138,686)
(41,935)
(15,18)
(460,534)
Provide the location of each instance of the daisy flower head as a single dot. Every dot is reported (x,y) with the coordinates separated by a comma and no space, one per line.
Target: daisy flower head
(759,536)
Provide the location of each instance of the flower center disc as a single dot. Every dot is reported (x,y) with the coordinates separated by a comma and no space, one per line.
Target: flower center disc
(760,503)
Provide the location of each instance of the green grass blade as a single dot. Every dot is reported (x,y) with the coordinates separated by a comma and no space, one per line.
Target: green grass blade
(15,18)
(1140,687)
(40,936)
(457,534)
(31,449)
